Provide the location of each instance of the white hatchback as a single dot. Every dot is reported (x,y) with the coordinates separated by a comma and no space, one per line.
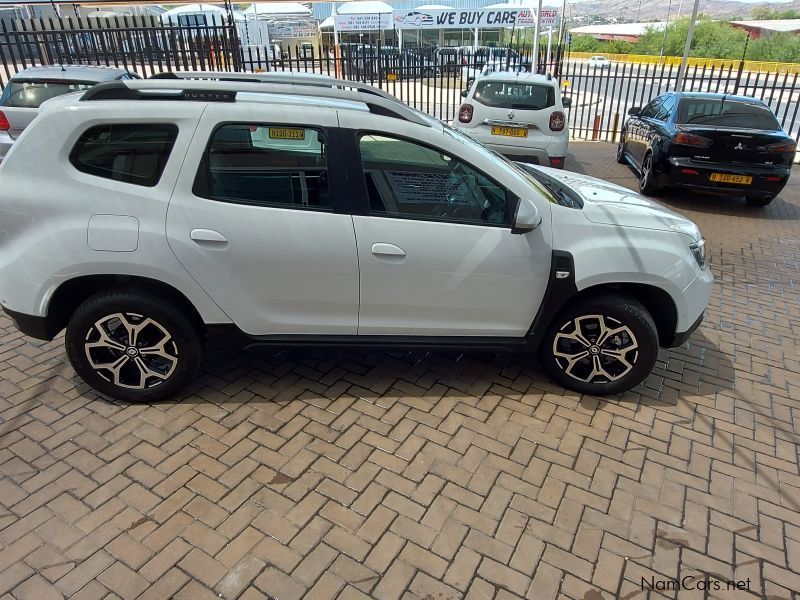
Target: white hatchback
(519,115)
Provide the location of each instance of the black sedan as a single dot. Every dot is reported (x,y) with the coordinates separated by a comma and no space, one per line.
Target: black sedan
(716,143)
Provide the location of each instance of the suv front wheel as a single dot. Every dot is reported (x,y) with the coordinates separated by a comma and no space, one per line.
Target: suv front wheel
(133,346)
(600,346)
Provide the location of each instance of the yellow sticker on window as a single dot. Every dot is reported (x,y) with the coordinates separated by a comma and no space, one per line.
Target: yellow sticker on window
(286,133)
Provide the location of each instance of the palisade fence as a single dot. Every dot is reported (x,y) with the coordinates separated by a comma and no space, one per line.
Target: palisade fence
(428,79)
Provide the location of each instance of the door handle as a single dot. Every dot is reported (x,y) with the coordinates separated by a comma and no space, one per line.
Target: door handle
(208,236)
(387,250)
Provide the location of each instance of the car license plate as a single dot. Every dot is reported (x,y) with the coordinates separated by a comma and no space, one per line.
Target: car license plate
(285,133)
(510,131)
(391,76)
(725,178)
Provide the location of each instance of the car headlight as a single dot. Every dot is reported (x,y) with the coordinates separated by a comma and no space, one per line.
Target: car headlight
(699,252)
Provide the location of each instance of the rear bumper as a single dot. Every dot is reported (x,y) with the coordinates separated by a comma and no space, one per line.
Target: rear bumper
(684,172)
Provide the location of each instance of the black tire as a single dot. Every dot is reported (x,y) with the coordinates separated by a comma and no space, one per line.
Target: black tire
(759,201)
(621,150)
(647,184)
(172,337)
(638,343)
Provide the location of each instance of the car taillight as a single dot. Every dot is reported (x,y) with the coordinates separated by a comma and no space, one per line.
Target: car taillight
(465,113)
(4,124)
(557,121)
(690,139)
(781,147)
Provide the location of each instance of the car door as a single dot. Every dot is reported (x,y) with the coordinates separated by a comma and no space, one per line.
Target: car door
(256,220)
(435,248)
(658,125)
(640,130)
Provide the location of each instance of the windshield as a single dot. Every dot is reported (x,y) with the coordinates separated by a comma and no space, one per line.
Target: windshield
(722,112)
(32,92)
(535,182)
(519,95)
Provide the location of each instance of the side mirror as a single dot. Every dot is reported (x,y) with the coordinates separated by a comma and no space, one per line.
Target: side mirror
(634,110)
(464,93)
(566,101)
(527,217)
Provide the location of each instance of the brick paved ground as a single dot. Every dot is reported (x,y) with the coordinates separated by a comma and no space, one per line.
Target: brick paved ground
(435,476)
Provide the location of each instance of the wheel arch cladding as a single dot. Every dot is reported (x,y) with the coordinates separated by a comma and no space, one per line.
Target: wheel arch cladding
(658,303)
(72,293)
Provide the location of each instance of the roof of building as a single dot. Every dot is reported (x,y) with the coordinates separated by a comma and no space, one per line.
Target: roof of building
(780,25)
(276,8)
(365,7)
(618,28)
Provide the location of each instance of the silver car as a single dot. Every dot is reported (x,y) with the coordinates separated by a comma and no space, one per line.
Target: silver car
(26,90)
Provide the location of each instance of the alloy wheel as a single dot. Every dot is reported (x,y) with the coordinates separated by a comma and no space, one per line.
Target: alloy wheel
(131,351)
(595,349)
(646,166)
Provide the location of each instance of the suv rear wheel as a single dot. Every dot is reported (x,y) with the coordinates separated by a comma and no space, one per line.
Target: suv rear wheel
(602,345)
(133,346)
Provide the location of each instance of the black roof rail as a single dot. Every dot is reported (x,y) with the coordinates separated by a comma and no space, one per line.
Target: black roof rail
(117,90)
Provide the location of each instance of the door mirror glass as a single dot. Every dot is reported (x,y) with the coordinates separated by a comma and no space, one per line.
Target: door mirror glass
(527,217)
(634,110)
(566,101)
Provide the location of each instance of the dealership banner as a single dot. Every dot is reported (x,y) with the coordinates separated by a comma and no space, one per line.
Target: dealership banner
(363,22)
(471,18)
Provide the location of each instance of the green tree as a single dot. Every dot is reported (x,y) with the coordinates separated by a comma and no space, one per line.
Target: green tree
(780,47)
(712,39)
(584,43)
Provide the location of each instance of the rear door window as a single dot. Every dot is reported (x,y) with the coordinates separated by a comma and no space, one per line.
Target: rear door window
(719,112)
(266,165)
(133,153)
(511,94)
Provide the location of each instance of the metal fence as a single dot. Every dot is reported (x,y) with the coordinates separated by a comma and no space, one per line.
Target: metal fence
(429,79)
(145,45)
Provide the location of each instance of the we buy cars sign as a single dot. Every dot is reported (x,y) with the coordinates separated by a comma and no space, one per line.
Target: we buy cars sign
(471,18)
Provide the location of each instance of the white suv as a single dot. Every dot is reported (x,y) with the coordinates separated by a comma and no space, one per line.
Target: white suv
(520,115)
(307,211)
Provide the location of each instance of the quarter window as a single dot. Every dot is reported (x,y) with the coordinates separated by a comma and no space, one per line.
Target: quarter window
(408,180)
(132,153)
(267,165)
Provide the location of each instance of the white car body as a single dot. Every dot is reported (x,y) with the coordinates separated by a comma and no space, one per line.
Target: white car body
(492,101)
(599,62)
(346,275)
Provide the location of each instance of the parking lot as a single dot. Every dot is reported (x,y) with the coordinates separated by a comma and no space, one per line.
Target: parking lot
(289,474)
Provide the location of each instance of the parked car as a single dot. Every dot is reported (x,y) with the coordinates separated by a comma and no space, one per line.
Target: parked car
(520,115)
(27,89)
(599,62)
(718,143)
(323,216)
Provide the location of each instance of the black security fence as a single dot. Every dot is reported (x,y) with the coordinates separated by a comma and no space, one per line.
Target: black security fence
(144,45)
(430,79)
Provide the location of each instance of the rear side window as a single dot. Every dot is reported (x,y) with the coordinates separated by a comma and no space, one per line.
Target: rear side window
(522,96)
(31,93)
(719,112)
(266,165)
(132,153)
